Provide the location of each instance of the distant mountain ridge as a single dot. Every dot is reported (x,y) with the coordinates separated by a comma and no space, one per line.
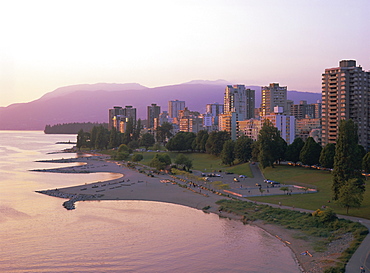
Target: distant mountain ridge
(90,102)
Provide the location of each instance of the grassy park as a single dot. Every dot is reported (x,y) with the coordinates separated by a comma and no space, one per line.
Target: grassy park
(285,174)
(319,179)
(204,162)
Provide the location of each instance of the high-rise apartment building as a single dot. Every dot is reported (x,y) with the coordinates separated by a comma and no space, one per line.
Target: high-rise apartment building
(174,106)
(115,111)
(214,109)
(228,122)
(345,95)
(117,114)
(304,110)
(152,113)
(272,96)
(130,112)
(239,100)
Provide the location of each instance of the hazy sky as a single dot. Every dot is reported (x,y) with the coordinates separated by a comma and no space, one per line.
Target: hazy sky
(48,44)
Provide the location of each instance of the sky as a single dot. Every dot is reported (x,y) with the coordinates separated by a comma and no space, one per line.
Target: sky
(45,45)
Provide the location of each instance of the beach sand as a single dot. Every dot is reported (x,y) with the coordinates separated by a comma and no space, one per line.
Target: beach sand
(134,185)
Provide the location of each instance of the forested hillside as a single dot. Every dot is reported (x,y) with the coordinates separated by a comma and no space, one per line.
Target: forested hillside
(72,128)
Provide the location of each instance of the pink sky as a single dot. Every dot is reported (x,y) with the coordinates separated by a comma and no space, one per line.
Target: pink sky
(49,44)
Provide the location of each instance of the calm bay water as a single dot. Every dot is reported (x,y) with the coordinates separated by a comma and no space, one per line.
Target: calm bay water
(38,235)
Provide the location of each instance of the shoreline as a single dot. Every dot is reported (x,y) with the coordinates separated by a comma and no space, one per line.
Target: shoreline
(134,185)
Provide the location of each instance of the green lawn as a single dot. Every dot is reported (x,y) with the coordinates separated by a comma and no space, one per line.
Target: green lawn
(321,180)
(204,162)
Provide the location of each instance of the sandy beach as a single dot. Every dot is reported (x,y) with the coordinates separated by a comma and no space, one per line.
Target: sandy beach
(133,185)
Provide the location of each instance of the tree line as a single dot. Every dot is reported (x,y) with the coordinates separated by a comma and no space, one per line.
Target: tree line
(72,128)
(101,138)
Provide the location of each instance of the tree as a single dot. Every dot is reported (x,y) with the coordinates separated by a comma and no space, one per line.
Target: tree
(243,148)
(160,161)
(270,147)
(347,164)
(157,163)
(327,156)
(129,130)
(102,138)
(147,140)
(83,139)
(350,194)
(200,141)
(124,148)
(215,142)
(361,152)
(293,150)
(280,148)
(114,138)
(227,154)
(122,153)
(134,144)
(310,152)
(182,141)
(137,157)
(366,163)
(255,151)
(165,158)
(93,134)
(164,132)
(137,130)
(183,160)
(121,156)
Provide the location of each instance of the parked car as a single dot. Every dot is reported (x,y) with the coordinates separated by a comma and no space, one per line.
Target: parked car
(236,179)
(242,176)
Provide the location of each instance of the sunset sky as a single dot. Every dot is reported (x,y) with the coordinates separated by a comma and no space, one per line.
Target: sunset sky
(49,44)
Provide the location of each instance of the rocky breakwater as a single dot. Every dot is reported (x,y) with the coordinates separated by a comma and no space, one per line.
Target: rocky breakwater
(73,198)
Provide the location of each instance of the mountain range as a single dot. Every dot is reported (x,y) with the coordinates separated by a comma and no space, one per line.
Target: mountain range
(90,102)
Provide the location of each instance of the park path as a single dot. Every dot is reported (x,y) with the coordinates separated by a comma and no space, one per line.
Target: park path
(362,255)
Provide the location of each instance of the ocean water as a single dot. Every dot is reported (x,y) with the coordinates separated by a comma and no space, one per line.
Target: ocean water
(38,235)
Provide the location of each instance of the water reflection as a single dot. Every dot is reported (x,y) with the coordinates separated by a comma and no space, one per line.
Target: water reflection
(39,235)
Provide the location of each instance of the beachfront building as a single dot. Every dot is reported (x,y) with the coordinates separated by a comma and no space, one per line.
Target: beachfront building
(118,114)
(120,123)
(130,112)
(115,111)
(345,95)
